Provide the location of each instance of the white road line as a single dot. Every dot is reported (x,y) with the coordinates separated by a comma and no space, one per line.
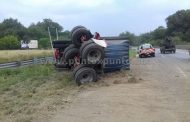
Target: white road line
(181,71)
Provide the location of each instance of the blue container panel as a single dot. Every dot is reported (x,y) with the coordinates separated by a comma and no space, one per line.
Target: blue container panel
(117,57)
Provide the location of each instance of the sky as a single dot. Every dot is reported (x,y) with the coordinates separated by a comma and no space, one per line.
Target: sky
(108,17)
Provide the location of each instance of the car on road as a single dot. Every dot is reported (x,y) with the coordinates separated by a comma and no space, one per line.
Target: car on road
(146,50)
(167,46)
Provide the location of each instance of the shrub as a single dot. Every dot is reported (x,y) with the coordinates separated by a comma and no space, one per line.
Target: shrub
(44,43)
(9,42)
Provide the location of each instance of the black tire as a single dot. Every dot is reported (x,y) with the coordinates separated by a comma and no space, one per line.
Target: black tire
(78,33)
(153,55)
(78,67)
(70,55)
(76,27)
(84,75)
(84,44)
(93,54)
(68,48)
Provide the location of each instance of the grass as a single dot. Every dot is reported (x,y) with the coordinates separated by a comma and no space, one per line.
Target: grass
(17,55)
(132,53)
(30,91)
(185,47)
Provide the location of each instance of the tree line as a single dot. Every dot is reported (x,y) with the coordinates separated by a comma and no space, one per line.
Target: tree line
(12,31)
(178,30)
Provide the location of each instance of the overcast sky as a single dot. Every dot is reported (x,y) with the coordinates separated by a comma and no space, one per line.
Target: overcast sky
(109,17)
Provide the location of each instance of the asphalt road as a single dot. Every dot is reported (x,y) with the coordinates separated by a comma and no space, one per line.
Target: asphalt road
(161,94)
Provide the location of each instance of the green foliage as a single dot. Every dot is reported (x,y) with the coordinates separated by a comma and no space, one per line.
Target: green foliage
(40,30)
(154,37)
(44,43)
(179,24)
(132,53)
(12,27)
(65,35)
(132,37)
(159,33)
(178,41)
(9,42)
(23,89)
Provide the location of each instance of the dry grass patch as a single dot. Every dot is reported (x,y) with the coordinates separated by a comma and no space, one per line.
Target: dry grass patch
(18,55)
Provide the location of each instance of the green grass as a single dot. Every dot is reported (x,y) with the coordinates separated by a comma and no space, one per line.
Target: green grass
(18,55)
(132,53)
(26,92)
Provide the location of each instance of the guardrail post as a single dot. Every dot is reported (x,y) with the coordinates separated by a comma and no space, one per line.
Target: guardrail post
(35,60)
(46,60)
(19,63)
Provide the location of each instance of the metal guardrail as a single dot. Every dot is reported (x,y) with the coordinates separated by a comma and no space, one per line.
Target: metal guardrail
(33,61)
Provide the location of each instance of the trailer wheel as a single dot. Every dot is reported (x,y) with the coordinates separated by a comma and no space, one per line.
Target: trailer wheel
(93,54)
(85,75)
(79,67)
(69,47)
(84,44)
(80,33)
(70,55)
(77,27)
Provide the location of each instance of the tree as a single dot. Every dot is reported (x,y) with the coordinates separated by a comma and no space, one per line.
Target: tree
(179,24)
(40,30)
(44,43)
(9,42)
(12,27)
(132,37)
(146,37)
(159,33)
(65,35)
(36,32)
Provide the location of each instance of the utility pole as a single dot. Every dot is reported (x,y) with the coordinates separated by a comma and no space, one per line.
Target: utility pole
(51,41)
(57,34)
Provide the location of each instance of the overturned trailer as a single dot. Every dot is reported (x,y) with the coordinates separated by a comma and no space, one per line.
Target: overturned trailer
(88,57)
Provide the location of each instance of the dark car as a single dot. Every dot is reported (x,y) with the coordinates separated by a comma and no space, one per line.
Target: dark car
(167,46)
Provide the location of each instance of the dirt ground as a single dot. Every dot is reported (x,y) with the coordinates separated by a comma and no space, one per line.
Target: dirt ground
(160,92)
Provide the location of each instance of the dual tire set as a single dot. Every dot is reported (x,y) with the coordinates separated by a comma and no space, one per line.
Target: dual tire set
(83,56)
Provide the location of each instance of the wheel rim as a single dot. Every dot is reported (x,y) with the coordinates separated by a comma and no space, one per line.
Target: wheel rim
(94,56)
(86,77)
